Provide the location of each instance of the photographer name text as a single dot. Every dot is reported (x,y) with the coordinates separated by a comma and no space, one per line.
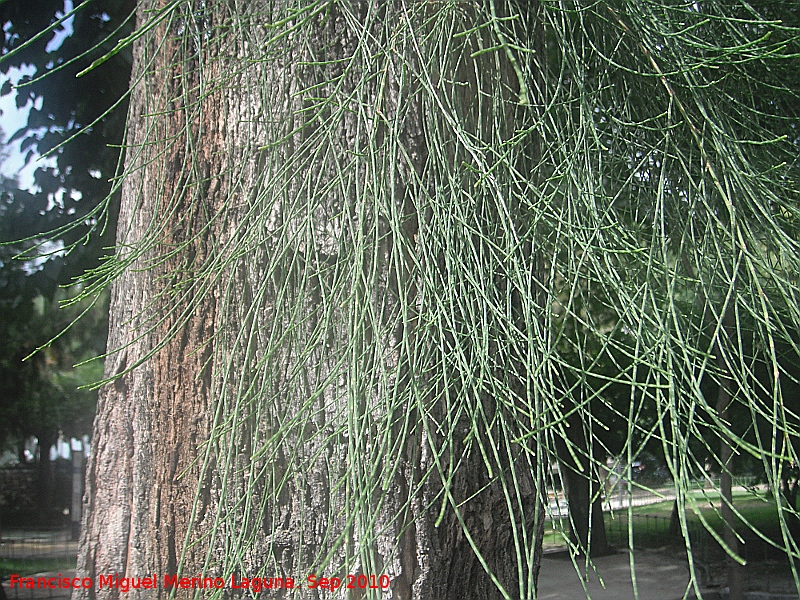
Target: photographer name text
(234,582)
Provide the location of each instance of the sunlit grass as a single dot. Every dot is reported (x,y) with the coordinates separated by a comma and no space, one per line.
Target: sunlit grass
(29,566)
(758,510)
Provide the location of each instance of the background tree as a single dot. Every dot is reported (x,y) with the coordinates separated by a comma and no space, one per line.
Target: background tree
(63,226)
(72,202)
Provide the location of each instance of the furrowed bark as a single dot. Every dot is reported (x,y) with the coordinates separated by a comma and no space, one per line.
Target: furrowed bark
(143,474)
(247,432)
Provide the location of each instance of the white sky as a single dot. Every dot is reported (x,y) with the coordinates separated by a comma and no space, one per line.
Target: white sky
(11,118)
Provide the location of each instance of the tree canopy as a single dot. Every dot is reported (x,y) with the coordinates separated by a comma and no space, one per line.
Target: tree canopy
(54,232)
(72,204)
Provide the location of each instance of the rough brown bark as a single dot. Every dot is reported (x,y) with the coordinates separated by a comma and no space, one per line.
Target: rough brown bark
(172,486)
(143,475)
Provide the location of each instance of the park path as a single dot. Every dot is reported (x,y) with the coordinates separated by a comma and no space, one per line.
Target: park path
(658,577)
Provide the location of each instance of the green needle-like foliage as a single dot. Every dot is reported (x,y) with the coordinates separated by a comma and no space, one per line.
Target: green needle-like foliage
(452,230)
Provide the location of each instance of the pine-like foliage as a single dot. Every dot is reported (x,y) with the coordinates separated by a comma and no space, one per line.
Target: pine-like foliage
(455,230)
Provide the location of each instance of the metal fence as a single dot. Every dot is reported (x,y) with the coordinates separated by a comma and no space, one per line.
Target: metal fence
(33,544)
(650,530)
(619,496)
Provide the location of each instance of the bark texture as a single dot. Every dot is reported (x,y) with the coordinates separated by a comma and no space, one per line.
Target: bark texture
(143,477)
(240,439)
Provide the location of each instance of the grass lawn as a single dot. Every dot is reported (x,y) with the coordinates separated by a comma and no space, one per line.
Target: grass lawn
(29,566)
(651,522)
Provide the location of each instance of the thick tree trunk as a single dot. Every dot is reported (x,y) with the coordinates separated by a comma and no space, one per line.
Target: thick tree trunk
(45,475)
(674,521)
(143,485)
(587,527)
(582,487)
(237,439)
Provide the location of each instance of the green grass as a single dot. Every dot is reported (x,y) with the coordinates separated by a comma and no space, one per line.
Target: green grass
(29,566)
(758,511)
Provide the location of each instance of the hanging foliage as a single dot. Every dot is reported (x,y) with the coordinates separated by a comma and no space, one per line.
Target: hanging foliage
(375,259)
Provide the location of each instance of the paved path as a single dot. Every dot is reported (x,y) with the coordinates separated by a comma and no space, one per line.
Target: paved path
(658,577)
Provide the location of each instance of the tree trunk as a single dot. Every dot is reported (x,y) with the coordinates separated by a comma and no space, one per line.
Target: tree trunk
(266,420)
(674,521)
(582,488)
(587,527)
(145,487)
(736,575)
(723,350)
(790,485)
(45,475)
